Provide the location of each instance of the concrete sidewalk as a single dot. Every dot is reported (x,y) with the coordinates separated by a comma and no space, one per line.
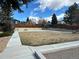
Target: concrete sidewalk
(15,50)
(15,40)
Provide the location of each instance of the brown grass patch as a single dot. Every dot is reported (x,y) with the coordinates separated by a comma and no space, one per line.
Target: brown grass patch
(44,38)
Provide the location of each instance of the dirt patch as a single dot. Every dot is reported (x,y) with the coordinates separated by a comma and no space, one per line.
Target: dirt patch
(44,38)
(3,42)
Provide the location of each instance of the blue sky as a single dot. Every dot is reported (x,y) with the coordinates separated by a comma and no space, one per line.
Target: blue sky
(43,9)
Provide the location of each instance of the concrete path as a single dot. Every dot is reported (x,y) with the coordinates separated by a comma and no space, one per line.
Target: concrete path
(56,47)
(15,40)
(15,50)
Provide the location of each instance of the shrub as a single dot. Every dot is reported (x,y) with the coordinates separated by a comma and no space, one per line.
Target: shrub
(5,34)
(65,26)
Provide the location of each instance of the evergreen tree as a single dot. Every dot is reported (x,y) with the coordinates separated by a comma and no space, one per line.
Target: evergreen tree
(27,19)
(69,14)
(54,19)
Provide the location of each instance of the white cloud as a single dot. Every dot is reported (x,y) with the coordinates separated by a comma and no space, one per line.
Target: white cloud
(34,19)
(55,4)
(33,13)
(60,17)
(48,18)
(36,9)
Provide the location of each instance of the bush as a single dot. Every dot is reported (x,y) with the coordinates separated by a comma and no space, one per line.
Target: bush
(65,26)
(5,34)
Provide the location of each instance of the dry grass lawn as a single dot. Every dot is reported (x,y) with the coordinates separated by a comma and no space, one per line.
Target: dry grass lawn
(44,38)
(3,43)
